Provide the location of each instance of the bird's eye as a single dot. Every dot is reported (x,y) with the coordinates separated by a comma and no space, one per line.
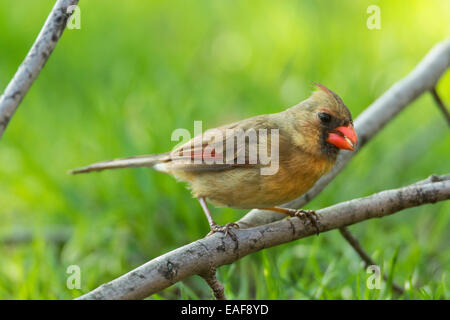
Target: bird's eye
(324,117)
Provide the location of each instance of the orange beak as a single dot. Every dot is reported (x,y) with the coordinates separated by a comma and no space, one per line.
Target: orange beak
(343,137)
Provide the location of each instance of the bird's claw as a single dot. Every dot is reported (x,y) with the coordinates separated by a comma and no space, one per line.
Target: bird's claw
(311,215)
(227,229)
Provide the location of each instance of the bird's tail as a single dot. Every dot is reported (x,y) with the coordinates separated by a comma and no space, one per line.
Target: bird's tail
(132,162)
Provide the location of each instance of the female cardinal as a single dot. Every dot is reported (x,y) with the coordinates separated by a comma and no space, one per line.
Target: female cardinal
(304,141)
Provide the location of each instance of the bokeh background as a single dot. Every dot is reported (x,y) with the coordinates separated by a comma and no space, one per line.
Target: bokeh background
(137,70)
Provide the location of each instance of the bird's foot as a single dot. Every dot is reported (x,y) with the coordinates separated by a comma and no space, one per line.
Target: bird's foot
(227,229)
(311,215)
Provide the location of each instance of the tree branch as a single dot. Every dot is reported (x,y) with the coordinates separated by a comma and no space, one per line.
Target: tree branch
(34,61)
(423,78)
(217,250)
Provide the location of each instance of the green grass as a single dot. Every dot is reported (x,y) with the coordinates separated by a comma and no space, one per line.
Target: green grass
(134,73)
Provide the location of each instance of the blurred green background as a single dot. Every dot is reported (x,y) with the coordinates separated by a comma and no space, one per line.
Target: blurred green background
(136,70)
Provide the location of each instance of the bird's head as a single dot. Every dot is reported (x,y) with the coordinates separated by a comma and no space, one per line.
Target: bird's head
(335,119)
(326,123)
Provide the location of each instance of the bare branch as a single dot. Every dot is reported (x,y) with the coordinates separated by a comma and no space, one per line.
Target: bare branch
(423,78)
(217,250)
(34,61)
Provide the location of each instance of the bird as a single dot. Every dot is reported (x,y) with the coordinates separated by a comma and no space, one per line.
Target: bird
(230,166)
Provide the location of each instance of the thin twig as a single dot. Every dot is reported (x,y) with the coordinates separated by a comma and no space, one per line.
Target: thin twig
(440,104)
(353,241)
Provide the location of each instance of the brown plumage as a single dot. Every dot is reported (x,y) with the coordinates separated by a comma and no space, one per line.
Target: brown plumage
(309,134)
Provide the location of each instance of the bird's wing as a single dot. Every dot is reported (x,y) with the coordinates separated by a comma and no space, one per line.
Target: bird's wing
(231,146)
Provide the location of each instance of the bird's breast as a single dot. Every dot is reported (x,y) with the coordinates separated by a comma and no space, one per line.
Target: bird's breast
(296,175)
(247,188)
